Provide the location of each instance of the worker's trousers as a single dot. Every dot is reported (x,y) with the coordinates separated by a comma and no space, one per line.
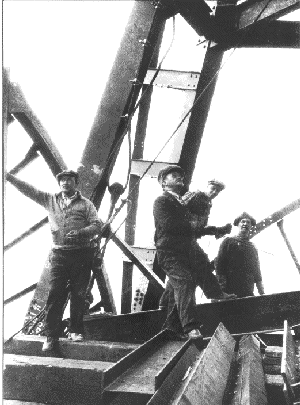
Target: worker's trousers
(69,272)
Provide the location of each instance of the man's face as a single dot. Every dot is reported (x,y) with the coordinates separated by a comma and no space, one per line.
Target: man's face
(173,181)
(212,191)
(244,226)
(67,184)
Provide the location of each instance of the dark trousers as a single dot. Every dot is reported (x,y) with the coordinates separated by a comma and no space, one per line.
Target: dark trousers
(186,271)
(68,268)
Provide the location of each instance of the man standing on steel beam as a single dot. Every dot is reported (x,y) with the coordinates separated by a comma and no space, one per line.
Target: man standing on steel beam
(237,263)
(199,204)
(180,256)
(74,222)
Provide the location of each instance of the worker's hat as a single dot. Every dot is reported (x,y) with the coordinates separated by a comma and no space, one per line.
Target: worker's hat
(169,169)
(69,173)
(242,216)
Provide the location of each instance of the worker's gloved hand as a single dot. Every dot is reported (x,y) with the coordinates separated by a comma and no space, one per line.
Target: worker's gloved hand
(223,230)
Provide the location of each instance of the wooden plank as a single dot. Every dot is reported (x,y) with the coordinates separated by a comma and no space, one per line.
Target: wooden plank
(207,380)
(250,385)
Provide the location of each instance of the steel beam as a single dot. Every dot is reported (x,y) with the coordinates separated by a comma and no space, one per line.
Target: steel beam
(251,12)
(119,97)
(275,217)
(244,315)
(289,246)
(197,121)
(134,180)
(20,109)
(265,34)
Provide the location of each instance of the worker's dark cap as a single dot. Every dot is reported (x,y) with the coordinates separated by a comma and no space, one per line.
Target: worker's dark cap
(242,216)
(169,169)
(69,173)
(217,184)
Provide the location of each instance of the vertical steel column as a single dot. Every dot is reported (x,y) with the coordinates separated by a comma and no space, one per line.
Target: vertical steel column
(133,190)
(204,94)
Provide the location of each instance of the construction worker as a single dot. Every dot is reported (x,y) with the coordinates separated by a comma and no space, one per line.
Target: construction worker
(73,222)
(199,204)
(180,256)
(237,263)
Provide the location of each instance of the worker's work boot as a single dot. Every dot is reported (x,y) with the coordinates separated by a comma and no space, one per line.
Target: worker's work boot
(195,334)
(51,343)
(76,337)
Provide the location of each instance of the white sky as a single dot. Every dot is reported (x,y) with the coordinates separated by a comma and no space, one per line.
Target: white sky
(61,52)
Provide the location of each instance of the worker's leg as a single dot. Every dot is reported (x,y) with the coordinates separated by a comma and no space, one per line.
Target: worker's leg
(177,268)
(79,280)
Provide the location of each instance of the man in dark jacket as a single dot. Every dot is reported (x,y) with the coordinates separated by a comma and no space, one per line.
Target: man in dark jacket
(179,254)
(73,222)
(237,263)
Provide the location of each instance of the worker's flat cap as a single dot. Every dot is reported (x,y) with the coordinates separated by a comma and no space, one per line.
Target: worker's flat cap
(169,169)
(242,216)
(217,184)
(69,173)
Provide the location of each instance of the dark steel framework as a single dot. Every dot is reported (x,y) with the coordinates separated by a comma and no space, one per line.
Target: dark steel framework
(249,24)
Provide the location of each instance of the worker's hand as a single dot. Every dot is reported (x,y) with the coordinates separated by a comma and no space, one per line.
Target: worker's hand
(223,230)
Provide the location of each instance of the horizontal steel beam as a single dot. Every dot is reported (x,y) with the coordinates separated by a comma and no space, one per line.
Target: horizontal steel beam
(243,315)
(173,79)
(265,34)
(148,168)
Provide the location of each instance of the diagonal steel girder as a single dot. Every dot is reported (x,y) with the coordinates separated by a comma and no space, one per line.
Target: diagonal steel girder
(119,97)
(252,12)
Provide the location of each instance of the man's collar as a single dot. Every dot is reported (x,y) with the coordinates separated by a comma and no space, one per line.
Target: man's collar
(74,196)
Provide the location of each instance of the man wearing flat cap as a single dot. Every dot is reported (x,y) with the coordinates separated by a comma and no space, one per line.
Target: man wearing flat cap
(199,202)
(179,254)
(237,263)
(73,222)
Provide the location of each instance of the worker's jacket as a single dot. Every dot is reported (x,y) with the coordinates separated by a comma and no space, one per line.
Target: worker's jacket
(78,215)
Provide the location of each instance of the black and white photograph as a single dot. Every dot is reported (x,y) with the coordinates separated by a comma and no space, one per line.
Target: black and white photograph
(150,202)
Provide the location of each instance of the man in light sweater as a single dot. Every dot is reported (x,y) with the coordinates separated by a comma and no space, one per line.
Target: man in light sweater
(73,222)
